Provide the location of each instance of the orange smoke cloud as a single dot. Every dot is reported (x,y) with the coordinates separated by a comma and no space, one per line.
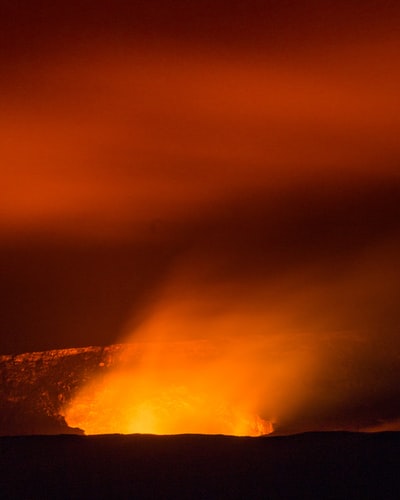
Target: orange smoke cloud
(192,369)
(266,186)
(106,141)
(289,355)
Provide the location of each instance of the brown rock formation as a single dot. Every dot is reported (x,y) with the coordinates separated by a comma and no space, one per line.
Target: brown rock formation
(34,386)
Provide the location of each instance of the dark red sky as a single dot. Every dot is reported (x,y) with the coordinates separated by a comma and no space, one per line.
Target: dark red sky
(238,151)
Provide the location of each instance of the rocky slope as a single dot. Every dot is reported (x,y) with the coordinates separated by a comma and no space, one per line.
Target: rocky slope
(34,386)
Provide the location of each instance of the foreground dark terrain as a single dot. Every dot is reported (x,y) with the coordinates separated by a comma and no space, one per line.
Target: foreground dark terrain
(314,465)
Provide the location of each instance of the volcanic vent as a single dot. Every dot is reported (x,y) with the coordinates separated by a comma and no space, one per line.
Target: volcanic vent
(119,389)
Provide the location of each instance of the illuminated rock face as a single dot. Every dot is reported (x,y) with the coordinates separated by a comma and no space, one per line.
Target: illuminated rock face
(35,386)
(145,387)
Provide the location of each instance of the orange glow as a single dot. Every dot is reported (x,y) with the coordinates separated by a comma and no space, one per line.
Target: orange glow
(220,382)
(182,392)
(108,140)
(261,181)
(243,358)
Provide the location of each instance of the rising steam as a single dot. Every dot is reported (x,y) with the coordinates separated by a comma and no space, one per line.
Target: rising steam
(248,358)
(246,209)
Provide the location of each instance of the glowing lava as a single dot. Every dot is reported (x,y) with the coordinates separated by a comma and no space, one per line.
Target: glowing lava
(167,388)
(192,367)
